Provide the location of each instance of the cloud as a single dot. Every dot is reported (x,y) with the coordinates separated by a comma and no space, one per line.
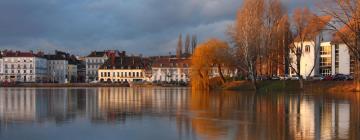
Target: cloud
(150,27)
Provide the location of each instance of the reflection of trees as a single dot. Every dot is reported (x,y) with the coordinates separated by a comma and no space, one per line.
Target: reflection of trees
(272,116)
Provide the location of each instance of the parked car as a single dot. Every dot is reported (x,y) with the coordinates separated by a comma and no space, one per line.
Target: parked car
(339,77)
(328,78)
(285,77)
(294,77)
(262,77)
(275,78)
(349,77)
(317,77)
(94,82)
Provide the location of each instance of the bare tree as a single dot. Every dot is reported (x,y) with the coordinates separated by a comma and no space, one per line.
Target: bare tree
(187,45)
(179,47)
(247,34)
(346,23)
(193,43)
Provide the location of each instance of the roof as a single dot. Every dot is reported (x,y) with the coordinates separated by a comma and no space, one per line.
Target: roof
(124,62)
(172,62)
(21,54)
(96,54)
(107,53)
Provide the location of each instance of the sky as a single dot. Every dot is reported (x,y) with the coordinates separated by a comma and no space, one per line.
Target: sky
(148,27)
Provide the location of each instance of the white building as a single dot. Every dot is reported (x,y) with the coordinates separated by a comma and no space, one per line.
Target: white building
(171,70)
(342,62)
(24,67)
(168,69)
(95,60)
(57,68)
(315,53)
(122,69)
(1,68)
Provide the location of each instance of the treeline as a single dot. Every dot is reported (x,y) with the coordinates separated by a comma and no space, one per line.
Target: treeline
(268,41)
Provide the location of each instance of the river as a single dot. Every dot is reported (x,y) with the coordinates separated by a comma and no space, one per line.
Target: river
(174,113)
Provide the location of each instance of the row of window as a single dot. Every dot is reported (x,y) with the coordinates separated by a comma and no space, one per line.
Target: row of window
(19,72)
(95,60)
(12,66)
(121,74)
(18,60)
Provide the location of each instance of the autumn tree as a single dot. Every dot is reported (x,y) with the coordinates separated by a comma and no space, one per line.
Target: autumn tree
(179,47)
(247,34)
(346,24)
(212,54)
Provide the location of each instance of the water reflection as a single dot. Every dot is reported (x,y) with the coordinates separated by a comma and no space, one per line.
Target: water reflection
(197,115)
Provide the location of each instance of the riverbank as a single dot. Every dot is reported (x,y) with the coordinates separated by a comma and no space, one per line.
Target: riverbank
(311,86)
(87,85)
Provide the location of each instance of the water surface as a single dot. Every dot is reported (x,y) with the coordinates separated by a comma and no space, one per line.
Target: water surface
(174,113)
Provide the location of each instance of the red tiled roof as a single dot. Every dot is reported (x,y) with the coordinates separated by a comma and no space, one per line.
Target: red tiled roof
(19,54)
(171,62)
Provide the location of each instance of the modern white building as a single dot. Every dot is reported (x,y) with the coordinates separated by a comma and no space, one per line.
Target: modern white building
(342,62)
(95,59)
(24,67)
(122,69)
(309,56)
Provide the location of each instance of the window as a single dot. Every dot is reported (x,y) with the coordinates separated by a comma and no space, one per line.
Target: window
(108,74)
(307,48)
(336,58)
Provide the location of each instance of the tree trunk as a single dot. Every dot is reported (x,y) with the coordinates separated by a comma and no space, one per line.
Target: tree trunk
(221,74)
(357,75)
(301,82)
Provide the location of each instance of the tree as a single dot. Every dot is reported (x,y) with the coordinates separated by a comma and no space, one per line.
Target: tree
(187,45)
(193,43)
(346,24)
(306,28)
(214,53)
(179,47)
(247,34)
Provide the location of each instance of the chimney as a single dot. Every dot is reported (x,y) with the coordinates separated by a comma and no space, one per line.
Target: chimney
(124,53)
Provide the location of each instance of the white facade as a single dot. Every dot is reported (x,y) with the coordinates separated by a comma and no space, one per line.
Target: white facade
(1,69)
(24,69)
(307,61)
(58,70)
(168,74)
(341,63)
(92,66)
(121,75)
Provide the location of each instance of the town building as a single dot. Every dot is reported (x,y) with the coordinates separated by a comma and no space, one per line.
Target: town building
(1,68)
(123,69)
(95,59)
(57,67)
(72,72)
(171,69)
(24,67)
(342,62)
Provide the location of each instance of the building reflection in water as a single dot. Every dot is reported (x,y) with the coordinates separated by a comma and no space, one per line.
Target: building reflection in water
(204,115)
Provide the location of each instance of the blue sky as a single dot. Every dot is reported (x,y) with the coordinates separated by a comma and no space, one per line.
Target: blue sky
(149,27)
